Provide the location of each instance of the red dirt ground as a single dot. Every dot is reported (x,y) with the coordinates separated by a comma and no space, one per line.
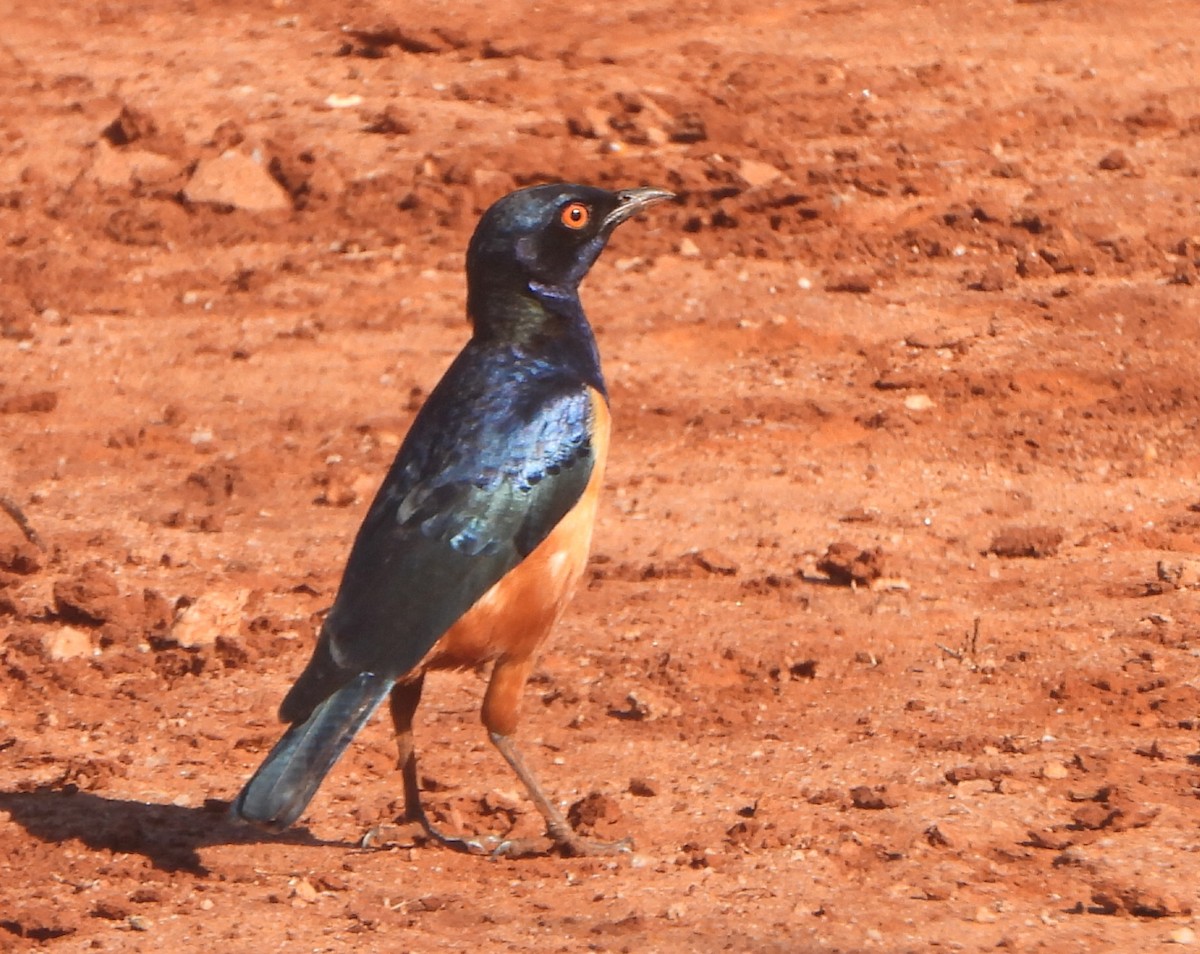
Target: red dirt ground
(890,639)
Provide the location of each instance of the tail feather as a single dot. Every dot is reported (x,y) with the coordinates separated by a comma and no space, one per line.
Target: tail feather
(289,777)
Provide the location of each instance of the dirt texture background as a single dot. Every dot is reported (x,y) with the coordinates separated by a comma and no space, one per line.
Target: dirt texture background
(890,638)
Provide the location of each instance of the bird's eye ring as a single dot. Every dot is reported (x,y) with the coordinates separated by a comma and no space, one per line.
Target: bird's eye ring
(575,215)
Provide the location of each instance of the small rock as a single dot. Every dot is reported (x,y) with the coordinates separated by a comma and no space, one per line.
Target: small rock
(67,642)
(688,248)
(211,616)
(642,787)
(918,402)
(120,168)
(1026,542)
(985,915)
(1055,770)
(847,565)
(713,561)
(389,122)
(851,284)
(20,557)
(30,402)
(756,174)
(592,810)
(304,890)
(1184,574)
(866,798)
(1114,160)
(589,123)
(1183,935)
(500,800)
(130,125)
(991,279)
(235,180)
(90,598)
(646,706)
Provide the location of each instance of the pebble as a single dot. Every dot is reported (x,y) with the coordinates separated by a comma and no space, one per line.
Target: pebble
(1183,935)
(236,180)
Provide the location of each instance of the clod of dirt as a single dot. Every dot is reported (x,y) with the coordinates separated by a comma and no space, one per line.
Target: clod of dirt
(67,642)
(646,706)
(713,561)
(236,181)
(411,38)
(212,616)
(846,565)
(593,810)
(130,126)
(850,283)
(643,787)
(1034,542)
(110,910)
(389,122)
(1181,574)
(866,798)
(690,565)
(33,402)
(19,557)
(89,598)
(1141,901)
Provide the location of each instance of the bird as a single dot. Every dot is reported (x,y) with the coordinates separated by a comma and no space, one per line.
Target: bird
(481,529)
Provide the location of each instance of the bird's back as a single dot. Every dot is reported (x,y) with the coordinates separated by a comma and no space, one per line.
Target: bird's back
(502,450)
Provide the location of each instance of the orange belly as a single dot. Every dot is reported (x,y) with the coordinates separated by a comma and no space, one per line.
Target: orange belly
(512,619)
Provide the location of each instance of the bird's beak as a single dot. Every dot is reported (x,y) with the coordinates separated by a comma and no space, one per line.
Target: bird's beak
(631,202)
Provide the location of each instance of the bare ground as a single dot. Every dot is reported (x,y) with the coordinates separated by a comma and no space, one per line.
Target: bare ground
(890,638)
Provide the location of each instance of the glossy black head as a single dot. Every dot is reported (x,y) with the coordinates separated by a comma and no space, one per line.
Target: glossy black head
(538,243)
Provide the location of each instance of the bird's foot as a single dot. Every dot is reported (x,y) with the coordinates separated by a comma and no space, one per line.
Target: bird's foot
(578,847)
(569,842)
(416,831)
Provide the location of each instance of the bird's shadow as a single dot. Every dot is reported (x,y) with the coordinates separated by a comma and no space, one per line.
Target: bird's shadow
(168,836)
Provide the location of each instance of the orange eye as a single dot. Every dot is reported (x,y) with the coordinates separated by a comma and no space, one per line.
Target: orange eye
(575,216)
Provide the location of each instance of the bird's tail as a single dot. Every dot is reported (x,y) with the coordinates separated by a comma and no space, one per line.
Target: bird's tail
(285,783)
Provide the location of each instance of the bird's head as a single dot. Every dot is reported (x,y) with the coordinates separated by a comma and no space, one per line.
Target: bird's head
(541,241)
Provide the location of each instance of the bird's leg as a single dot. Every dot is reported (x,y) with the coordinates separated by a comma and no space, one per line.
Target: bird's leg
(557,827)
(500,714)
(403,704)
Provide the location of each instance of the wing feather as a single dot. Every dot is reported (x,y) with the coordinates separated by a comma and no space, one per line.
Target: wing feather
(478,484)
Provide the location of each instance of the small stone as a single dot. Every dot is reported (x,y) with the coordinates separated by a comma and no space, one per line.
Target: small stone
(1114,160)
(985,915)
(1055,770)
(713,561)
(642,787)
(850,283)
(67,642)
(755,173)
(688,248)
(918,402)
(1183,935)
(235,180)
(1036,542)
(866,798)
(592,810)
(212,615)
(304,890)
(646,706)
(89,598)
